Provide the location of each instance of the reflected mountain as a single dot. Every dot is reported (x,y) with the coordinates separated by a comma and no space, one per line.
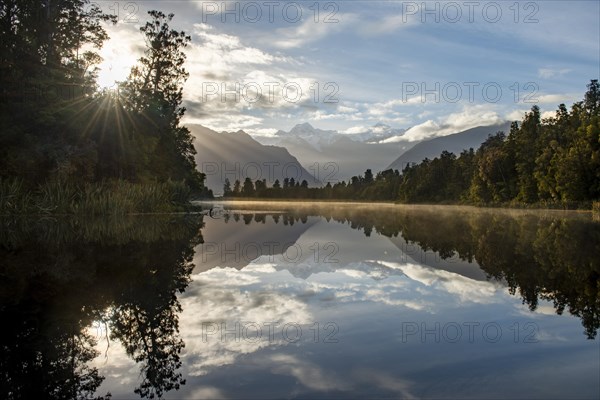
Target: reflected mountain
(541,255)
(59,277)
(236,239)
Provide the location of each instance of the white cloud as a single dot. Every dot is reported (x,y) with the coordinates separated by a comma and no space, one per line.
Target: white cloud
(221,298)
(232,85)
(308,374)
(547,73)
(556,99)
(469,117)
(386,25)
(206,392)
(517,115)
(310,31)
(265,132)
(355,129)
(548,114)
(344,109)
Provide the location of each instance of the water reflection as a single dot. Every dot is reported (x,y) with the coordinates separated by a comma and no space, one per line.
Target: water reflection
(61,277)
(205,306)
(540,255)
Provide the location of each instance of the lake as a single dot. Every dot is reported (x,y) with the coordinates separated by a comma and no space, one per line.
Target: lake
(301,300)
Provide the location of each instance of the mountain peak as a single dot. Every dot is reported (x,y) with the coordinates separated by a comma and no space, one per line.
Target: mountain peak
(303,128)
(381,125)
(304,125)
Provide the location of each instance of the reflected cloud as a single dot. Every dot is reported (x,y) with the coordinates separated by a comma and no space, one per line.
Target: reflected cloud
(310,375)
(386,381)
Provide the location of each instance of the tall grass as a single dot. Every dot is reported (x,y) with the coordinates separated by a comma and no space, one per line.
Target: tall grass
(103,198)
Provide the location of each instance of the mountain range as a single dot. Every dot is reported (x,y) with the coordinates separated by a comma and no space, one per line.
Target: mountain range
(332,156)
(454,143)
(319,156)
(236,155)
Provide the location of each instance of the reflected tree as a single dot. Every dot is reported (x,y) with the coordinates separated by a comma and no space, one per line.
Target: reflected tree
(548,256)
(58,277)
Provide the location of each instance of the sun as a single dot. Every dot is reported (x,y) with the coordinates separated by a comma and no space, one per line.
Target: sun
(116,64)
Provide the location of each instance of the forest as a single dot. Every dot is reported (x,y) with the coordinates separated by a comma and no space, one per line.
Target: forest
(546,162)
(68,146)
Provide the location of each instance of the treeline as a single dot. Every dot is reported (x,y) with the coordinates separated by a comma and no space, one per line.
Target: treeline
(383,186)
(554,160)
(548,162)
(57,125)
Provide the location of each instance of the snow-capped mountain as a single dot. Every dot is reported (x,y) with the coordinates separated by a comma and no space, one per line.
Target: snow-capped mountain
(333,156)
(320,137)
(313,136)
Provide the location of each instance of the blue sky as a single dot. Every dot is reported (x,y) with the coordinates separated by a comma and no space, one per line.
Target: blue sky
(390,62)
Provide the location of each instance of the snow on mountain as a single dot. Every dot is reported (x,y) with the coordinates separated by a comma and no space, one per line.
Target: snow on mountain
(318,138)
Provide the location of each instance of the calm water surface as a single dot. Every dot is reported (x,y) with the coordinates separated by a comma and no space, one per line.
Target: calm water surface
(290,300)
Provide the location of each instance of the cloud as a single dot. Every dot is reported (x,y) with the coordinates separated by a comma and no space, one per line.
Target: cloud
(386,381)
(233,86)
(224,298)
(386,25)
(265,132)
(516,115)
(310,31)
(469,117)
(548,114)
(206,392)
(344,109)
(547,73)
(310,375)
(556,98)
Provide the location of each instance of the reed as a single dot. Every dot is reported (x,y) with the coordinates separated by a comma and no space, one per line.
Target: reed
(115,197)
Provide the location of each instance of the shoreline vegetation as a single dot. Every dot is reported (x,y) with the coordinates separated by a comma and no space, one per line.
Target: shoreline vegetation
(115,197)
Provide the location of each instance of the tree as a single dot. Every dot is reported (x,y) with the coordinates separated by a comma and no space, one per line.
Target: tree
(227,188)
(236,188)
(368,176)
(154,91)
(248,188)
(526,140)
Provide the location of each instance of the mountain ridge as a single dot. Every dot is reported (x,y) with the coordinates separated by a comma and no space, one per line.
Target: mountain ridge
(454,143)
(236,155)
